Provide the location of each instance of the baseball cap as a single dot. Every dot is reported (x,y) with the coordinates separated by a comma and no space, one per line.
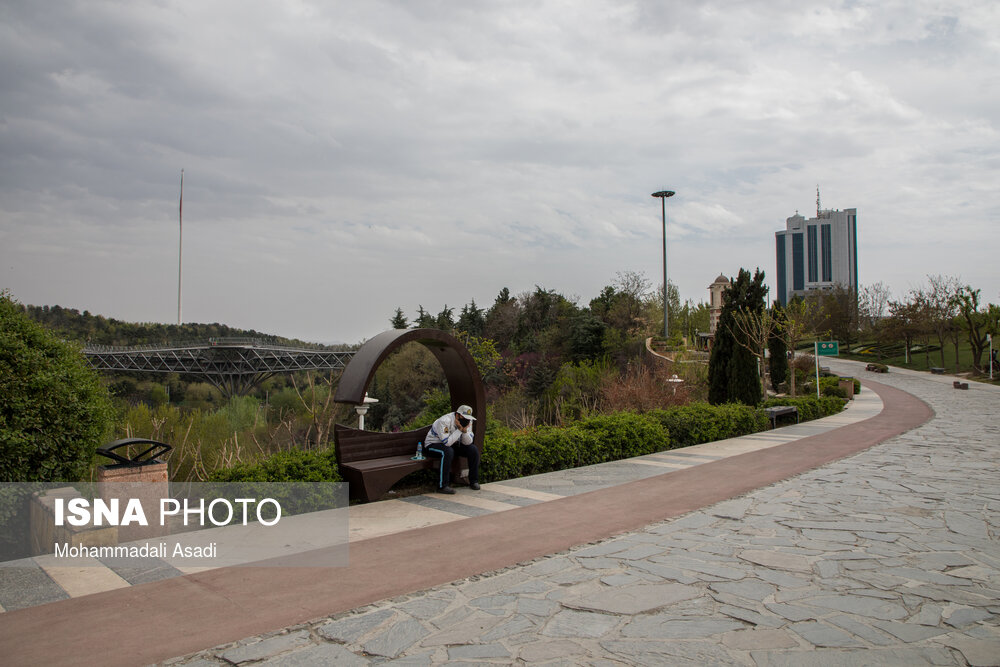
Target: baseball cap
(466,412)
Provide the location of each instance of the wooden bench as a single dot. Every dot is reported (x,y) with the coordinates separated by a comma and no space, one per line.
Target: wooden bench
(937,371)
(779,411)
(371,461)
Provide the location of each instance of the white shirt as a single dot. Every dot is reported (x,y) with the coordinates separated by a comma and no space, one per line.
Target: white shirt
(445,432)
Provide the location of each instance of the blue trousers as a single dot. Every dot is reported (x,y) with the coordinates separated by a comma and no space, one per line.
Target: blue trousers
(448,454)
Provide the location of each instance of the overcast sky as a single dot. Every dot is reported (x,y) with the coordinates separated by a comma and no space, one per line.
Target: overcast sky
(344,158)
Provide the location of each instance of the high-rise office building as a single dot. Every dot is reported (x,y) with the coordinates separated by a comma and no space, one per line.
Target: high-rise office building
(818,253)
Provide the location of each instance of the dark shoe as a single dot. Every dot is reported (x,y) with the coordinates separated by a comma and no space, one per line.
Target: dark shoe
(474,486)
(447,490)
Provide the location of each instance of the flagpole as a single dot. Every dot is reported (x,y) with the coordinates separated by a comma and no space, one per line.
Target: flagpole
(180,248)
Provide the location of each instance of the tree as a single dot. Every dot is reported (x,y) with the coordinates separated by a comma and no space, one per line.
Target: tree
(398,320)
(445,320)
(694,318)
(798,321)
(424,319)
(976,322)
(543,322)
(903,323)
(655,310)
(501,319)
(756,328)
(472,320)
(54,411)
(839,312)
(732,371)
(941,307)
(586,338)
(873,303)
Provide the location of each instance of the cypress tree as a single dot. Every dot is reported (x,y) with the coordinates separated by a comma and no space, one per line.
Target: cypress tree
(732,368)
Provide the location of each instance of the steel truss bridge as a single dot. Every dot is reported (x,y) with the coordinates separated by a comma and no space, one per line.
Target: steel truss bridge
(233,365)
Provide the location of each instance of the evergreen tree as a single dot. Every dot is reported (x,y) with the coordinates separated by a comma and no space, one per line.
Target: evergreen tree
(445,320)
(586,338)
(424,319)
(398,320)
(472,320)
(732,369)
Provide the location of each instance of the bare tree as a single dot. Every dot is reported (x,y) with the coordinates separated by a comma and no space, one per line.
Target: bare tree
(633,290)
(799,321)
(942,306)
(757,329)
(873,305)
(317,400)
(904,323)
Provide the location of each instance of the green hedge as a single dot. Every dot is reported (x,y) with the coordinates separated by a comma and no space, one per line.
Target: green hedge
(809,407)
(830,386)
(292,466)
(701,422)
(511,454)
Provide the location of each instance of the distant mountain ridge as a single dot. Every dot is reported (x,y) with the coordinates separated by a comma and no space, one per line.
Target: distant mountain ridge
(86,328)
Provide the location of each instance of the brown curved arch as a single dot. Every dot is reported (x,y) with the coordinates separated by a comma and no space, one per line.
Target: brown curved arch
(465,384)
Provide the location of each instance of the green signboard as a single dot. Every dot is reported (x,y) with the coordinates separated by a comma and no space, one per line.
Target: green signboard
(828,348)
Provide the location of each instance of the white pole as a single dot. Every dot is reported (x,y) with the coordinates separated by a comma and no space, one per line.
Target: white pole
(180,246)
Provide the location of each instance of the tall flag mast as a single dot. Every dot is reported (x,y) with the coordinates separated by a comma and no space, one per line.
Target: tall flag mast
(180,249)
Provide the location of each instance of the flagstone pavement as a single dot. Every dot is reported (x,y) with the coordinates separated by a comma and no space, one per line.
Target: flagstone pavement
(888,557)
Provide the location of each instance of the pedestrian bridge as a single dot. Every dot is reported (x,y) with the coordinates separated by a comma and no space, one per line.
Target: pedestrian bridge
(233,365)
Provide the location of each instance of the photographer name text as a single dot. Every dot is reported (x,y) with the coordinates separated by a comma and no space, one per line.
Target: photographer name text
(160,550)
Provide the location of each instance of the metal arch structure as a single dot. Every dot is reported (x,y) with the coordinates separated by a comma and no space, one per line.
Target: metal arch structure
(233,365)
(465,384)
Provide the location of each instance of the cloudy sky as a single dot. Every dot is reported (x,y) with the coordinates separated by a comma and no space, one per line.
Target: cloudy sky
(344,158)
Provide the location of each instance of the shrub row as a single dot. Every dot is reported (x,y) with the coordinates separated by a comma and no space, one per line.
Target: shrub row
(809,407)
(701,422)
(293,465)
(510,454)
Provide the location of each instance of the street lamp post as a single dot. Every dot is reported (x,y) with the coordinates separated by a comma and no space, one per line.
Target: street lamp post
(663,194)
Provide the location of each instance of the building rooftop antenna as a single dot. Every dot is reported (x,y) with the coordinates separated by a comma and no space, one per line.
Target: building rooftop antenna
(818,208)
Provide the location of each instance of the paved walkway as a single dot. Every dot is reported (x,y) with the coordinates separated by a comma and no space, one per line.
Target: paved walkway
(888,557)
(47,581)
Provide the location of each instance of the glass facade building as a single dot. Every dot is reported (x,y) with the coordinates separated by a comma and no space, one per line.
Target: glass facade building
(817,254)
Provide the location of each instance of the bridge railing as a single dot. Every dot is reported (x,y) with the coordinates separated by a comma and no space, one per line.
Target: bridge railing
(220,341)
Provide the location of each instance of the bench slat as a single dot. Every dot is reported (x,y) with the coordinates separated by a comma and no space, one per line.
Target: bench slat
(392,462)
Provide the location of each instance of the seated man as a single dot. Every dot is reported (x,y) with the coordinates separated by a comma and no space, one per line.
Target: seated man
(451,436)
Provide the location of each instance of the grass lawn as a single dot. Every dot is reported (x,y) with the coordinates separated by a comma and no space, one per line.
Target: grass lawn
(922,357)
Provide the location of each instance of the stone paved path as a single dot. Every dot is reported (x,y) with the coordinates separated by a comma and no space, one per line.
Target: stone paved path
(889,557)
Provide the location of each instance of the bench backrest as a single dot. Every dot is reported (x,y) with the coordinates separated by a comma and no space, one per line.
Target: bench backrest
(355,445)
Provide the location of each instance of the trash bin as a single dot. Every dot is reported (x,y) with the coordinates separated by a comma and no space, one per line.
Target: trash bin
(847,384)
